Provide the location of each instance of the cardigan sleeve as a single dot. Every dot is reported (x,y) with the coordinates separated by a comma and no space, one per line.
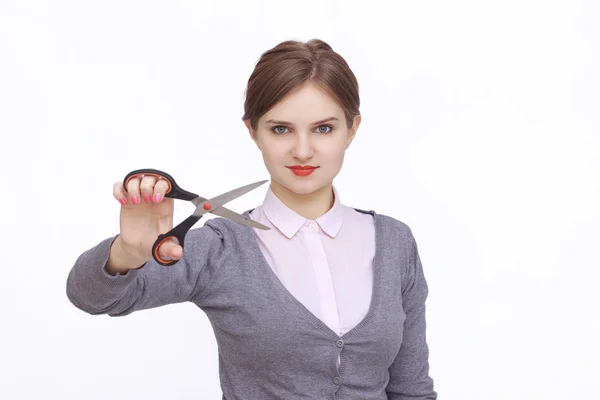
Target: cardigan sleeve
(93,290)
(409,373)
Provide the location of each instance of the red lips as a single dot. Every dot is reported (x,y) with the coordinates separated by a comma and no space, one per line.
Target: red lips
(302,170)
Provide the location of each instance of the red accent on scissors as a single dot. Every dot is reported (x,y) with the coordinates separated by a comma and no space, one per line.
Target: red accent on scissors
(203,206)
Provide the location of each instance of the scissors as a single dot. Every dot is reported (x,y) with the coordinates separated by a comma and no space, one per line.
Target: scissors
(203,206)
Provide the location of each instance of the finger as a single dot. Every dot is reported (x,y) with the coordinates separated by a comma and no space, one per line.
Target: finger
(160,188)
(170,250)
(147,187)
(133,188)
(119,193)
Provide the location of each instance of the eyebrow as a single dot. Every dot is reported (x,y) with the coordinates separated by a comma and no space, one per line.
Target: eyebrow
(272,121)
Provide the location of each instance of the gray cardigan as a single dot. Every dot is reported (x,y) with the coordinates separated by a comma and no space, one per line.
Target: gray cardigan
(270,346)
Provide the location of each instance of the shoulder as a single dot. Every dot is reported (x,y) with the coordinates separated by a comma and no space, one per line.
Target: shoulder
(217,242)
(217,238)
(226,229)
(386,225)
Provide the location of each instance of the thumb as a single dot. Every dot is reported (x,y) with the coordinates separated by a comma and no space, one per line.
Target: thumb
(170,250)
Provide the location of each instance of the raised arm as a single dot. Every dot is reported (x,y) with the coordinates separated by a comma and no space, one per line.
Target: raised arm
(119,275)
(95,290)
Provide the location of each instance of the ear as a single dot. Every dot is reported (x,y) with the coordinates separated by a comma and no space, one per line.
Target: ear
(353,129)
(251,131)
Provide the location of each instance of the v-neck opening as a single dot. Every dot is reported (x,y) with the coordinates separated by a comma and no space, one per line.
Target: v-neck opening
(375,292)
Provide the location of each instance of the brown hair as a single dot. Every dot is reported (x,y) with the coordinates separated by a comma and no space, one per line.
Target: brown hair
(292,63)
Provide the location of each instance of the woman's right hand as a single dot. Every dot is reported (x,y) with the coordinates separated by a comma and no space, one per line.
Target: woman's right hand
(145,214)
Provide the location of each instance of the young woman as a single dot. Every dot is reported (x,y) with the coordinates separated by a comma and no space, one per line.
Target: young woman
(329,302)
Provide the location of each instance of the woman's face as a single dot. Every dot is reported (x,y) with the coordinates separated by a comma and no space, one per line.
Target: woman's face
(306,129)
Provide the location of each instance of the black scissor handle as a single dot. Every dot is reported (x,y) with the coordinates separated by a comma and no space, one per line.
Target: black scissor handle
(178,233)
(173,191)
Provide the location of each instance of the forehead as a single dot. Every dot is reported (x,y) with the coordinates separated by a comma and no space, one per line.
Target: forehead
(306,104)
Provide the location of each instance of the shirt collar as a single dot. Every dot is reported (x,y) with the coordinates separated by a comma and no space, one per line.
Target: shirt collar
(289,222)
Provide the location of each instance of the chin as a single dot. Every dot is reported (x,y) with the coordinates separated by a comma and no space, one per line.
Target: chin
(304,189)
(302,185)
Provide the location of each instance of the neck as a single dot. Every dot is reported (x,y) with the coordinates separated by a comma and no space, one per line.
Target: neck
(310,205)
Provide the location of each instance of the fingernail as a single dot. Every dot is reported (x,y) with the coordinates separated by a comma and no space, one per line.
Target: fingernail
(157,198)
(135,200)
(147,198)
(123,200)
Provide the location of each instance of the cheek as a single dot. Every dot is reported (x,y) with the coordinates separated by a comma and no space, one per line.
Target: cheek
(337,151)
(271,152)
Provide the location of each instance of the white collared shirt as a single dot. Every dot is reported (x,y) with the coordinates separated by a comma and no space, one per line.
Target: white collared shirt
(326,264)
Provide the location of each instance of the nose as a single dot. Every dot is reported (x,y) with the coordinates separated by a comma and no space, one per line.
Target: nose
(303,148)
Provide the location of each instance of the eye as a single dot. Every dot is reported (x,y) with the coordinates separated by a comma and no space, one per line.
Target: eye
(324,128)
(279,129)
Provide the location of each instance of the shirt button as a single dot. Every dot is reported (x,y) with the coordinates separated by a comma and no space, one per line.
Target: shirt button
(339,343)
(336,380)
(311,225)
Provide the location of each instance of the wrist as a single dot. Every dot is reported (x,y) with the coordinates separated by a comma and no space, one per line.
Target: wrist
(121,259)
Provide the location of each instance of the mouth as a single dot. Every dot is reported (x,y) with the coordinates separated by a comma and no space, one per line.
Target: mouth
(302,170)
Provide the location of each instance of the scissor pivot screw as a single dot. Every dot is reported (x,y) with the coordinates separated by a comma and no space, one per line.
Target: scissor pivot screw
(206,206)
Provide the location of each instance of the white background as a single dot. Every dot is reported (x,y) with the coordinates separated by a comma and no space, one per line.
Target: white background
(481,131)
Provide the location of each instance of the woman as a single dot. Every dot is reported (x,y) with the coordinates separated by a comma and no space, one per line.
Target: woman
(329,302)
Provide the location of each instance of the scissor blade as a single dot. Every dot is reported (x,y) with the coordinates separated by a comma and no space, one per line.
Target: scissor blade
(218,201)
(232,215)
(198,200)
(235,217)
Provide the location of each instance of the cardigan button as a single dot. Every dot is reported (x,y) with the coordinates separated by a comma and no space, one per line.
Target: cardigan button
(339,343)
(336,380)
